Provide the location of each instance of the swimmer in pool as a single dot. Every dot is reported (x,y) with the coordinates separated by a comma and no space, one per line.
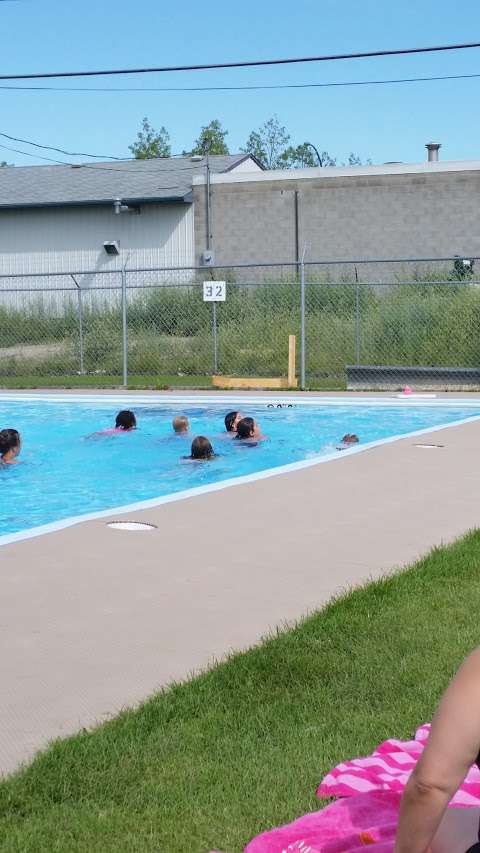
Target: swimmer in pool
(10,446)
(201,448)
(348,440)
(249,430)
(181,425)
(124,422)
(231,421)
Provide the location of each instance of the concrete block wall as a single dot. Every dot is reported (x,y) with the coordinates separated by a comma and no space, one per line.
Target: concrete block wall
(401,215)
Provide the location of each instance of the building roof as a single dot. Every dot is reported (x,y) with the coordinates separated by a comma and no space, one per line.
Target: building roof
(133,181)
(329,173)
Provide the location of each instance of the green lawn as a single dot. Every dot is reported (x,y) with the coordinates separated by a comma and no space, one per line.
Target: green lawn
(95,381)
(210,763)
(135,383)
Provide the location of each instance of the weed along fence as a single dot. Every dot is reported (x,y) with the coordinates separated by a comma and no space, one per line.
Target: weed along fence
(420,317)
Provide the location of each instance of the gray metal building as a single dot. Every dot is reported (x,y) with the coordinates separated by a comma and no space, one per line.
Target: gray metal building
(58,218)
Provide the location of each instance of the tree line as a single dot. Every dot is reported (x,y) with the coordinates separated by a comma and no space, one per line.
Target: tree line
(270,144)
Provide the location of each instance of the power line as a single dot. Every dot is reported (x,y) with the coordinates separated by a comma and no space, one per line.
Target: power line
(37,156)
(97,167)
(245,64)
(59,150)
(246,87)
(83,154)
(73,165)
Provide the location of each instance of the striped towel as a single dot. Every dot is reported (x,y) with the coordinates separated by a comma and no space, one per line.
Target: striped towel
(366,814)
(388,769)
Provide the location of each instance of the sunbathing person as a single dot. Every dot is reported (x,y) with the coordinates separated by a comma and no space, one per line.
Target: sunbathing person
(425,823)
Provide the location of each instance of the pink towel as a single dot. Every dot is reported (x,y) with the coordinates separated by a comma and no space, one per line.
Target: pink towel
(388,769)
(346,825)
(367,813)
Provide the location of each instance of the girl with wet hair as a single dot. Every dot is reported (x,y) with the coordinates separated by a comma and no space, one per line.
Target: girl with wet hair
(10,444)
(201,448)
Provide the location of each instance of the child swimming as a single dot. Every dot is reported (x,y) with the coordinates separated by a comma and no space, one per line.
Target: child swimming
(125,421)
(249,430)
(231,421)
(10,446)
(348,440)
(181,425)
(201,448)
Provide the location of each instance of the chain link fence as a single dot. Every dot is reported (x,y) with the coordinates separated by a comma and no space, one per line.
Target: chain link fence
(352,320)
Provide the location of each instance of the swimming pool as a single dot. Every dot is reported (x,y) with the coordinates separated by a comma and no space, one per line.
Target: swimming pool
(66,475)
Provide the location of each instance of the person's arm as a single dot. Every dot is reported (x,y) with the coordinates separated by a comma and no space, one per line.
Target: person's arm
(452,748)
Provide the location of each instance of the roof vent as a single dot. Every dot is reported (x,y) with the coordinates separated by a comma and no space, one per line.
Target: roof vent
(433,148)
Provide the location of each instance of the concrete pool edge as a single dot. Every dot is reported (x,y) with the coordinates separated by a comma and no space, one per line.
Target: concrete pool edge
(279,470)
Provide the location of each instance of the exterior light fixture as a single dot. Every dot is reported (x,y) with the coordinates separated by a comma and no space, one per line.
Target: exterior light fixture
(112,247)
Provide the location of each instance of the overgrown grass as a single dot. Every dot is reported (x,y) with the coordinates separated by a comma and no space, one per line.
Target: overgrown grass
(170,330)
(210,763)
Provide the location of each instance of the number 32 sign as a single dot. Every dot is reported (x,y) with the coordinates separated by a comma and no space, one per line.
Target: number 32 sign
(214,291)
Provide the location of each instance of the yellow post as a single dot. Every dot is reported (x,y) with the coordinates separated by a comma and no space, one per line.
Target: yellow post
(292,344)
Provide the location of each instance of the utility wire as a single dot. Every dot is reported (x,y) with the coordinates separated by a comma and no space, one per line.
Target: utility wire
(82,154)
(246,64)
(62,163)
(29,154)
(246,88)
(59,150)
(101,168)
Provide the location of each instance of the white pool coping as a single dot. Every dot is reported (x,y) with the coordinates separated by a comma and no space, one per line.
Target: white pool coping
(196,400)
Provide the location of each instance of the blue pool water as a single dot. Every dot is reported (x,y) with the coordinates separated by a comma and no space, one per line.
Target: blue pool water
(64,474)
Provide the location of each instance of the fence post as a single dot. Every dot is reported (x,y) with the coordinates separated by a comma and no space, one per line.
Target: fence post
(357,319)
(80,325)
(124,329)
(215,340)
(302,323)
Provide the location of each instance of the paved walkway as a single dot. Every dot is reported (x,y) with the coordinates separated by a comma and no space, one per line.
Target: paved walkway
(94,619)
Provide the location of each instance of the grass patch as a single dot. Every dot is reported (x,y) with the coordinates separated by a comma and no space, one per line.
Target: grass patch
(147,382)
(137,383)
(209,763)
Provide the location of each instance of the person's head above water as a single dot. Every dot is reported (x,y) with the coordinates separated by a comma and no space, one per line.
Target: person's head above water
(180,424)
(350,438)
(247,428)
(231,421)
(10,443)
(201,448)
(125,420)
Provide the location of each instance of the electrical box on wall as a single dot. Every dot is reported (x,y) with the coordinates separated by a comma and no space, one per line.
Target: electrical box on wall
(208,258)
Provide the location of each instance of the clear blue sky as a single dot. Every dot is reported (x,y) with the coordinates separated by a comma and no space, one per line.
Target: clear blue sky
(384,123)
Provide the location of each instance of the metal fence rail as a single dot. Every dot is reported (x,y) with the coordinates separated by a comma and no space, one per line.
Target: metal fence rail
(153,324)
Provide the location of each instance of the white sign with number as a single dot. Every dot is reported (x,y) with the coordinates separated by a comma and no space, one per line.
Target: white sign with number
(214,291)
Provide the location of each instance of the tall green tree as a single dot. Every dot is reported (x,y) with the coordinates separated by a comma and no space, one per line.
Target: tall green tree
(303,157)
(211,139)
(268,144)
(151,143)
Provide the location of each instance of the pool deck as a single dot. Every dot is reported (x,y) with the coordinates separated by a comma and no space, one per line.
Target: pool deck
(94,620)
